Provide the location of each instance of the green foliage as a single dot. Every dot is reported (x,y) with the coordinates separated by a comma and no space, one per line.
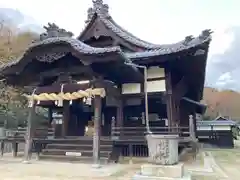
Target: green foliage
(14,108)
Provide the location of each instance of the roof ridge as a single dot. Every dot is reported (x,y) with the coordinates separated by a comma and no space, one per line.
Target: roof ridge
(102,11)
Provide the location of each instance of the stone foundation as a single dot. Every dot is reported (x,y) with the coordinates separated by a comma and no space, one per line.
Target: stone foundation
(174,171)
(161,172)
(163,156)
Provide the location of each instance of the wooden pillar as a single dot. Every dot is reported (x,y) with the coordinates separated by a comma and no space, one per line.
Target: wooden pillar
(195,123)
(29,135)
(97,129)
(120,113)
(66,116)
(50,117)
(170,101)
(177,116)
(113,126)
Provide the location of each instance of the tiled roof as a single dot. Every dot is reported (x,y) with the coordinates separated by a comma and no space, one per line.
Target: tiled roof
(55,35)
(126,35)
(76,44)
(171,48)
(101,10)
(86,49)
(73,43)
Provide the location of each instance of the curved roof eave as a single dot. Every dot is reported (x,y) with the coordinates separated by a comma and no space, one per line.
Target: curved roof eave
(77,45)
(173,48)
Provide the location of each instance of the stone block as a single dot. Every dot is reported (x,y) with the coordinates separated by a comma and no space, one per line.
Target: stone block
(171,171)
(163,149)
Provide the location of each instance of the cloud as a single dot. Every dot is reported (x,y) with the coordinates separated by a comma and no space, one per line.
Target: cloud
(223,68)
(225,80)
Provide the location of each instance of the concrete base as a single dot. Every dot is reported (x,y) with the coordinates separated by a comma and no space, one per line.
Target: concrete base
(171,172)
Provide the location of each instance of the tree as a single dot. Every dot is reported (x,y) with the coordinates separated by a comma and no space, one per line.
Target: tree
(222,103)
(13,105)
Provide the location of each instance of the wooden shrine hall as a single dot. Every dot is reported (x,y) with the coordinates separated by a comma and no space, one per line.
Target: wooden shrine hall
(112,81)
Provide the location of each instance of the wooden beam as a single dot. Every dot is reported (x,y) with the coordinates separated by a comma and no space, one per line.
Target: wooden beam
(70,70)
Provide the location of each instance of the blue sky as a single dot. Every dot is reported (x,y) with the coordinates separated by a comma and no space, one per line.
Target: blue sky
(157,21)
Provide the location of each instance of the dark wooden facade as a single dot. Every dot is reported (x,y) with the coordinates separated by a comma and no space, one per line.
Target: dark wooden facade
(217,133)
(113,59)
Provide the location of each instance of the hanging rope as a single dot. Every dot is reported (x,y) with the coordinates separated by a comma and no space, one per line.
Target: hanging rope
(67,96)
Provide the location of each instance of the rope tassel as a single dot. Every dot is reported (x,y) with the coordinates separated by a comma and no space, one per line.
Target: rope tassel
(31,99)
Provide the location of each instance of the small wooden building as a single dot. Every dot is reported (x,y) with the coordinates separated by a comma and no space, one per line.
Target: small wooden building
(216,133)
(114,79)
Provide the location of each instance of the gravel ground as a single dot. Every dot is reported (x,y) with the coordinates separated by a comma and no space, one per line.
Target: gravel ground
(15,169)
(225,164)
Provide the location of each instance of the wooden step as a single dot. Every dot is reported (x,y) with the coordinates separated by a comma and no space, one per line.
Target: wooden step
(75,141)
(82,147)
(74,153)
(72,159)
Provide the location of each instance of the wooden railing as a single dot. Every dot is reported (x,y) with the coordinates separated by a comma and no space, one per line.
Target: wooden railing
(14,137)
(20,133)
(132,141)
(139,132)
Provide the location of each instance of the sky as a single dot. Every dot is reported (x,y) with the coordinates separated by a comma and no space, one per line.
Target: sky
(157,21)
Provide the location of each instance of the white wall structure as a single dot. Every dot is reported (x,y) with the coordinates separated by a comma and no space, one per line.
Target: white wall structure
(153,82)
(131,88)
(214,127)
(155,72)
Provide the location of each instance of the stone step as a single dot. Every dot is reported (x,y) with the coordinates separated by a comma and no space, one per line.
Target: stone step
(80,159)
(74,153)
(79,141)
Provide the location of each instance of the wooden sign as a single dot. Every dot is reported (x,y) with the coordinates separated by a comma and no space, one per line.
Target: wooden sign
(75,154)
